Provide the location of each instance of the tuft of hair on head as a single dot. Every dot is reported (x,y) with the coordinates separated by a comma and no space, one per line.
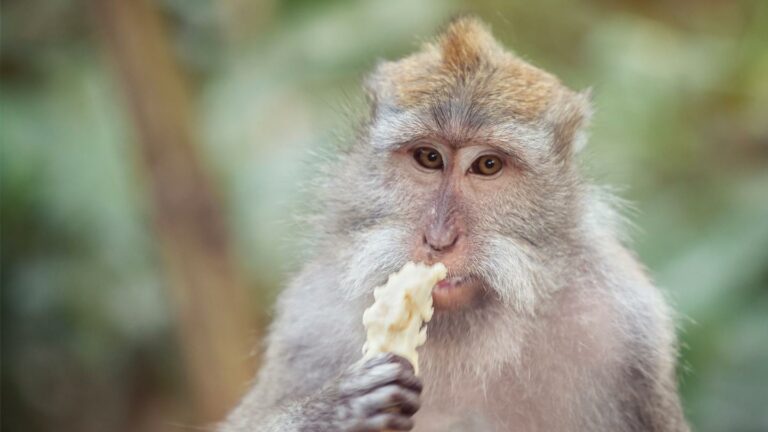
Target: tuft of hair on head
(465,59)
(465,43)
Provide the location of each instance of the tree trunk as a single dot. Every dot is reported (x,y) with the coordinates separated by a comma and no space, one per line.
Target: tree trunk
(206,288)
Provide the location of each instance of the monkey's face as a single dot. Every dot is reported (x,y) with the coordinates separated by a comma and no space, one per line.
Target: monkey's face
(484,199)
(466,160)
(453,182)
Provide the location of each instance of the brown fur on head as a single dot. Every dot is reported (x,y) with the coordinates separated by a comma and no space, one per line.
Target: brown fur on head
(464,94)
(466,55)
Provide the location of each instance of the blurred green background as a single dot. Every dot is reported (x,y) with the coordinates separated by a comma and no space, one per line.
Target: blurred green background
(88,339)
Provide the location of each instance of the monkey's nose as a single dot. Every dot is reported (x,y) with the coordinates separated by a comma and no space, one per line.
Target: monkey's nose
(441,240)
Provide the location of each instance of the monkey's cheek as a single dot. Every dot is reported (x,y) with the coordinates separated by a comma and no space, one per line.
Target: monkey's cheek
(454,294)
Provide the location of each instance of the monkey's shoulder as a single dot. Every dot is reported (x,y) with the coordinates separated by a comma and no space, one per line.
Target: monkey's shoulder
(314,324)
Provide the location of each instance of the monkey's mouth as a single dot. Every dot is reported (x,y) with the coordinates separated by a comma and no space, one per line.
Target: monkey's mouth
(454,292)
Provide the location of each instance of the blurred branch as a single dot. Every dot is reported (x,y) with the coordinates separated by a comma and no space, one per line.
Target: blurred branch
(244,19)
(207,289)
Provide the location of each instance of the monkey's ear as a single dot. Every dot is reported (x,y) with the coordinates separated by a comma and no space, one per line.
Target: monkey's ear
(376,87)
(569,116)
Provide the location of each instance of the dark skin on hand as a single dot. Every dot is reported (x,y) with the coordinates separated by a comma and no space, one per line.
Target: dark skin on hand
(380,394)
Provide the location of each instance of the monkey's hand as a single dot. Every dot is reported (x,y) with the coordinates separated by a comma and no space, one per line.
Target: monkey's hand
(380,394)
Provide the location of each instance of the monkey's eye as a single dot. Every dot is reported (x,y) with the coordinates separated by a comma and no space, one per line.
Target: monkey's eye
(428,158)
(487,165)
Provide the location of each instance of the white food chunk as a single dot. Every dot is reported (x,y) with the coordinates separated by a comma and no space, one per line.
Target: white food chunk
(394,322)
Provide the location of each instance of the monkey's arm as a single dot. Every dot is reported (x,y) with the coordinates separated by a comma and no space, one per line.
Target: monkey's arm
(651,403)
(647,387)
(380,394)
(648,395)
(312,378)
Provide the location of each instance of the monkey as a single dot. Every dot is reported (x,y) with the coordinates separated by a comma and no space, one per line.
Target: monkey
(547,321)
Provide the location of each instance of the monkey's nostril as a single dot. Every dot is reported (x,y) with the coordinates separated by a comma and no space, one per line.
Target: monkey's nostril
(451,243)
(441,243)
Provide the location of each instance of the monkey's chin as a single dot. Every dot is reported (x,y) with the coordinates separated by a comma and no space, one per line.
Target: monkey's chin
(455,293)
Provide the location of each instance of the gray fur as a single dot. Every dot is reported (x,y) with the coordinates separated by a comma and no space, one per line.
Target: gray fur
(570,334)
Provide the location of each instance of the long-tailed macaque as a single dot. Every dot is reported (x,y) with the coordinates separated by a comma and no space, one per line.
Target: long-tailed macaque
(545,323)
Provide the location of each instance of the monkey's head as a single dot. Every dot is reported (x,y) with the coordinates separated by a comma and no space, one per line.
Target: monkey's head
(467,160)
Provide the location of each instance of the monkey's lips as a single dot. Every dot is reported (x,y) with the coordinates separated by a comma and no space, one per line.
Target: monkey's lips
(454,292)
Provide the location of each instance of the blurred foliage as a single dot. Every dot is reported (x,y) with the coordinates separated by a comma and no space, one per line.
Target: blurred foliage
(681,127)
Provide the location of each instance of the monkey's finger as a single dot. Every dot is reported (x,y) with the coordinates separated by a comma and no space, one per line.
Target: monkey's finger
(391,398)
(381,375)
(408,401)
(394,373)
(387,358)
(394,358)
(364,381)
(389,422)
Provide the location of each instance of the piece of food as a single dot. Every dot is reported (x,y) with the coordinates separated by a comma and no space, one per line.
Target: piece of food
(394,322)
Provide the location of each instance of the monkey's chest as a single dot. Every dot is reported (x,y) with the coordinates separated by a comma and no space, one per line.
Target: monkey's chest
(488,418)
(459,409)
(498,407)
(433,420)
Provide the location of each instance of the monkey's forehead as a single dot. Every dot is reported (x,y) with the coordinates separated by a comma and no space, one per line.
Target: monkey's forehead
(466,60)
